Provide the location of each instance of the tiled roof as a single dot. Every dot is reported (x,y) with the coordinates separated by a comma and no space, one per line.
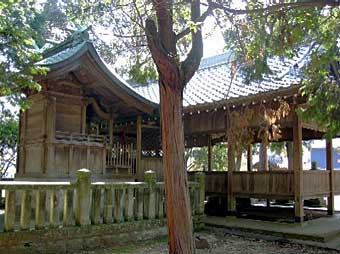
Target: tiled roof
(212,82)
(61,55)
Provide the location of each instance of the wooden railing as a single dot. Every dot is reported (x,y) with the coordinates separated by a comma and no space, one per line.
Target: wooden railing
(216,182)
(315,183)
(337,182)
(79,137)
(122,158)
(83,202)
(263,184)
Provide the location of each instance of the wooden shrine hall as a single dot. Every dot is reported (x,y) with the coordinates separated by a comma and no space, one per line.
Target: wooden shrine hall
(219,107)
(85,116)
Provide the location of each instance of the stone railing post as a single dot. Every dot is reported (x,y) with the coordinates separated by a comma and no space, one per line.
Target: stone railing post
(150,195)
(25,212)
(40,209)
(9,210)
(129,204)
(108,206)
(200,198)
(95,207)
(200,179)
(83,192)
(54,208)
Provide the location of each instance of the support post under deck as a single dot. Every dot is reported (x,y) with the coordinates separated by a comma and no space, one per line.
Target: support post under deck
(329,164)
(209,154)
(139,148)
(298,173)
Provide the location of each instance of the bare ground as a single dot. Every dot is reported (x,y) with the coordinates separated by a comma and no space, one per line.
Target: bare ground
(222,244)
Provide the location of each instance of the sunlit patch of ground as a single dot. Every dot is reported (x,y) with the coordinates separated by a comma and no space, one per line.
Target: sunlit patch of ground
(222,244)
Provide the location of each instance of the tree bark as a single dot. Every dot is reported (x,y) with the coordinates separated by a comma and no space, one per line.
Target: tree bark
(179,219)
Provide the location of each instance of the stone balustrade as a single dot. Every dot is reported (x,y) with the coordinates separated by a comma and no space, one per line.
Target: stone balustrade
(43,205)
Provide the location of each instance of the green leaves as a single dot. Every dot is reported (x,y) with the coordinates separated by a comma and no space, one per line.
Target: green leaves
(9,130)
(194,26)
(256,37)
(16,50)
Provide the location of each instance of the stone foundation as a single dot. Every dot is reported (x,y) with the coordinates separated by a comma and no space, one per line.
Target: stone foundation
(73,239)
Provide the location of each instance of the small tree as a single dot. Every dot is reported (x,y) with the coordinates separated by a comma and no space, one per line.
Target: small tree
(8,140)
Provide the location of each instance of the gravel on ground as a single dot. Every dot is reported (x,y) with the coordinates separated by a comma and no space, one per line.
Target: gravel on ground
(221,244)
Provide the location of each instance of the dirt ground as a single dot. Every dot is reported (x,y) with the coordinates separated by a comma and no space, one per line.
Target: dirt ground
(222,244)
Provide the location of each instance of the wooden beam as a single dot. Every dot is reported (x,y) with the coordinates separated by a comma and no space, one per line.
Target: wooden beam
(249,157)
(298,173)
(98,110)
(148,126)
(209,154)
(139,148)
(329,165)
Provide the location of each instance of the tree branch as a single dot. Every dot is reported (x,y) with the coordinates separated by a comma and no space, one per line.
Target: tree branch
(192,62)
(164,15)
(163,59)
(200,19)
(276,7)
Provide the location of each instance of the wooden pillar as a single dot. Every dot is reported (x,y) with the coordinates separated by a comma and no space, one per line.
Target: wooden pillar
(139,147)
(231,169)
(83,117)
(249,158)
(329,165)
(22,139)
(298,170)
(263,157)
(111,132)
(209,154)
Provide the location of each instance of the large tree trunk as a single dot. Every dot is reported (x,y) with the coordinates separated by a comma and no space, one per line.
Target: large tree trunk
(179,219)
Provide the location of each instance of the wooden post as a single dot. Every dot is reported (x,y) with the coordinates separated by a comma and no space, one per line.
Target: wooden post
(209,154)
(51,118)
(298,170)
(249,158)
(231,169)
(83,117)
(329,163)
(111,132)
(83,191)
(139,148)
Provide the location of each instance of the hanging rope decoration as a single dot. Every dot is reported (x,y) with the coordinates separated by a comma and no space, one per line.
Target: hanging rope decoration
(269,127)
(242,123)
